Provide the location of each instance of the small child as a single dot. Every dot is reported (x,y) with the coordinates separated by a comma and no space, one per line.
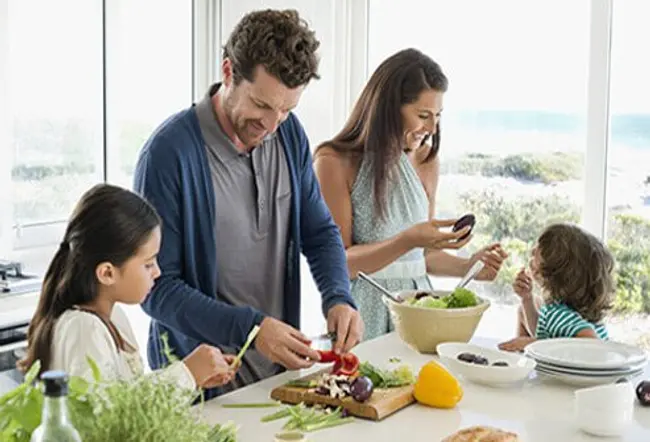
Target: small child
(574,270)
(107,257)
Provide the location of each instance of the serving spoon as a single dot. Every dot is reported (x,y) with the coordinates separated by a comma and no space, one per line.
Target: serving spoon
(376,285)
(473,271)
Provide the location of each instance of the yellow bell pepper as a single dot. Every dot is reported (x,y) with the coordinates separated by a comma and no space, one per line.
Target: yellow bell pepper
(437,387)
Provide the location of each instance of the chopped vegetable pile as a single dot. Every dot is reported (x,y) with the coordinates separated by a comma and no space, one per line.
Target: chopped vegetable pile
(360,384)
(399,377)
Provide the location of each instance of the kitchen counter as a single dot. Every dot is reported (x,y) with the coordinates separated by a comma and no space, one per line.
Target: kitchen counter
(539,410)
(17,309)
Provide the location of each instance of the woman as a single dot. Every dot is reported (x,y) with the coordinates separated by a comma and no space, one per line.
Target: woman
(379,177)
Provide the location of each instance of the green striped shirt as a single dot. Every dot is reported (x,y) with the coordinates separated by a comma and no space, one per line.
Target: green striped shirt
(558,320)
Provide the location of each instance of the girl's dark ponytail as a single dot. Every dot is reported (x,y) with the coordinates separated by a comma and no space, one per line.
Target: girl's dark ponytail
(52,303)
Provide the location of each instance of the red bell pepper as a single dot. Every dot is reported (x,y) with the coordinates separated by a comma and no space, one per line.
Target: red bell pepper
(349,364)
(328,356)
(346,364)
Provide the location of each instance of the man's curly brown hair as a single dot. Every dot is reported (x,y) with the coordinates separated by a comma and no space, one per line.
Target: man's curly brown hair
(576,269)
(280,41)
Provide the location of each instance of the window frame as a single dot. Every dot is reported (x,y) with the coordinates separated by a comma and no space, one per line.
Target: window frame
(23,237)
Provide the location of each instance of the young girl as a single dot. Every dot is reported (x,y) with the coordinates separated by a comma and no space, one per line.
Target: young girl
(107,256)
(574,270)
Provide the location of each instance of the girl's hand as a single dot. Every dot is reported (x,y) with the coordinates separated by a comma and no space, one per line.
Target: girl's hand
(523,285)
(209,367)
(223,378)
(516,344)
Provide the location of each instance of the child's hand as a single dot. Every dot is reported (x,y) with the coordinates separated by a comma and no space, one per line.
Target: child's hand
(517,344)
(224,378)
(523,285)
(209,367)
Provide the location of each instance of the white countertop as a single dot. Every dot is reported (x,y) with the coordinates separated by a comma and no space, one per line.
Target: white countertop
(539,410)
(17,309)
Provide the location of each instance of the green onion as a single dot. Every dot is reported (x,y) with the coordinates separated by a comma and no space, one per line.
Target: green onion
(328,424)
(302,383)
(277,415)
(249,341)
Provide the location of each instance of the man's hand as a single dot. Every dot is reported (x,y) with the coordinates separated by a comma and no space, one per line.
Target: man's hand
(517,344)
(348,326)
(493,257)
(284,345)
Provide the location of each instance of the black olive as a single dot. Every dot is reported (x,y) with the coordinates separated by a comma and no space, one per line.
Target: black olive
(500,364)
(643,393)
(465,220)
(467,357)
(480,360)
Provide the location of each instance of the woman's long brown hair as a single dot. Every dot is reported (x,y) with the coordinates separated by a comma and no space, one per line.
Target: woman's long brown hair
(375,127)
(109,224)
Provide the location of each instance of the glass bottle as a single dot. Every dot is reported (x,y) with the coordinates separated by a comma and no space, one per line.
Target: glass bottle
(55,423)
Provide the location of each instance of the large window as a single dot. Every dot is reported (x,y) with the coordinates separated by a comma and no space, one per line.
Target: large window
(628,196)
(55,78)
(149,74)
(513,124)
(87,82)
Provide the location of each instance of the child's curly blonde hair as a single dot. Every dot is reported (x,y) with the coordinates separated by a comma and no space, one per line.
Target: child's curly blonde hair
(576,269)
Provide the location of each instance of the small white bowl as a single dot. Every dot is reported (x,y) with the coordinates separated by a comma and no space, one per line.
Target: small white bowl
(604,410)
(519,367)
(606,423)
(606,397)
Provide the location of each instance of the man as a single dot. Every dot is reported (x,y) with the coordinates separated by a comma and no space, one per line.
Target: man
(232,179)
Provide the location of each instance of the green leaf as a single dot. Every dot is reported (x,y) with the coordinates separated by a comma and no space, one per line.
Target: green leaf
(78,386)
(27,411)
(97,375)
(5,420)
(167,350)
(33,372)
(13,394)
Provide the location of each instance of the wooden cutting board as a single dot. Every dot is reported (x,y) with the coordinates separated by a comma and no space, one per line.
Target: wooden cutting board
(382,403)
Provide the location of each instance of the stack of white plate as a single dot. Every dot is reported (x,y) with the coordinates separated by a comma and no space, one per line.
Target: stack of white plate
(586,362)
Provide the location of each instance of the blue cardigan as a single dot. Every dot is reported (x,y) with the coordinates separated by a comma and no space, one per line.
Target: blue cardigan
(172,173)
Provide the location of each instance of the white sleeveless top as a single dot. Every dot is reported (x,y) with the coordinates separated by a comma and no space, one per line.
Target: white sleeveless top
(79,335)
